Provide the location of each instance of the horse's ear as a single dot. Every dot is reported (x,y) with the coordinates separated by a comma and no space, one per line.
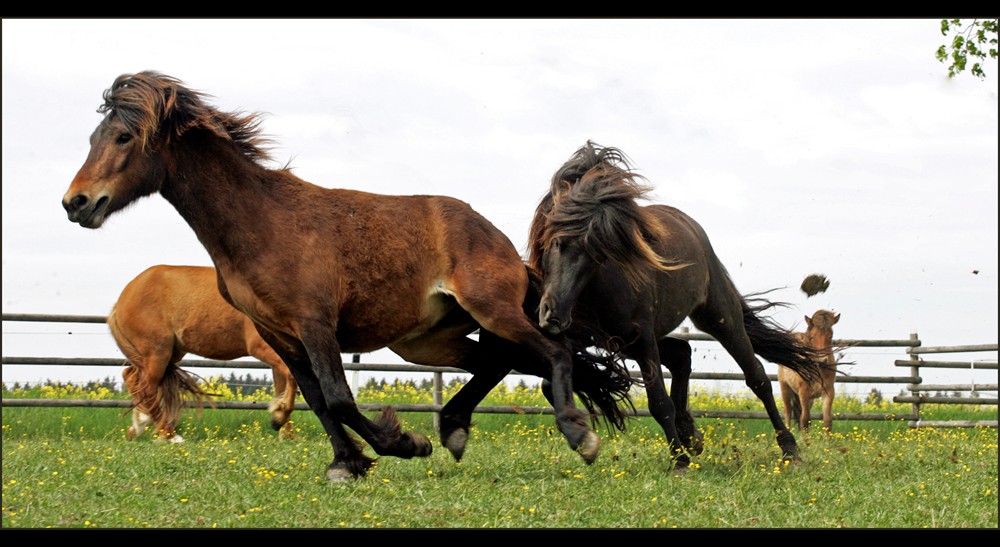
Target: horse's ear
(835,319)
(809,320)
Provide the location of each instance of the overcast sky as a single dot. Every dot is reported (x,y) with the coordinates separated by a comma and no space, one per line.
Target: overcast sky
(836,146)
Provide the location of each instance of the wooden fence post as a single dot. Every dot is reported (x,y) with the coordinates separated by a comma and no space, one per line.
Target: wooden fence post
(915,373)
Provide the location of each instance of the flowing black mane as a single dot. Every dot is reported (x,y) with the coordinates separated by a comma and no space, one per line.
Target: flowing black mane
(154,106)
(593,200)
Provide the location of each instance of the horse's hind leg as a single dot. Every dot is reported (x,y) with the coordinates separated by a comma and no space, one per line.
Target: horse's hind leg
(285,388)
(485,359)
(730,333)
(327,376)
(456,416)
(150,395)
(675,354)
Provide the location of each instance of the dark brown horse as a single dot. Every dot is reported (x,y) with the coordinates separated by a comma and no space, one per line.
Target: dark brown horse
(167,312)
(799,394)
(638,272)
(323,271)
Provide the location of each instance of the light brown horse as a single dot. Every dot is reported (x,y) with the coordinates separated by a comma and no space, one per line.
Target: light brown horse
(799,393)
(324,271)
(167,312)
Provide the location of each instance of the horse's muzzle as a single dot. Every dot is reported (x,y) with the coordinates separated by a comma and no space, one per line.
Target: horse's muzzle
(85,212)
(549,321)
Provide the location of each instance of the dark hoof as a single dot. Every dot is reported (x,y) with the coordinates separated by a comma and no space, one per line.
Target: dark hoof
(589,447)
(696,443)
(422,446)
(276,425)
(455,443)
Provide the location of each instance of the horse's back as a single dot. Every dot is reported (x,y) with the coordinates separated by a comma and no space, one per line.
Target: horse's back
(704,281)
(181,306)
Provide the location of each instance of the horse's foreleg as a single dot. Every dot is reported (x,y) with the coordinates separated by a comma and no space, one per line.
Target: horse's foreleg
(661,406)
(828,409)
(348,459)
(806,400)
(789,398)
(675,354)
(383,435)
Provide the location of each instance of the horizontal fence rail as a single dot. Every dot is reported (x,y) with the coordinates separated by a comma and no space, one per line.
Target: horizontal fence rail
(913,382)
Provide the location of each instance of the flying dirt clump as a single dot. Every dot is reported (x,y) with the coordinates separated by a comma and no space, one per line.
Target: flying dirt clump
(815,284)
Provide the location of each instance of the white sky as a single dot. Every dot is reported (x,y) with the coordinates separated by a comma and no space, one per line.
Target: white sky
(802,146)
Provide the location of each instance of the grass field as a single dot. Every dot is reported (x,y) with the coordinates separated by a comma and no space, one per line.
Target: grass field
(73,468)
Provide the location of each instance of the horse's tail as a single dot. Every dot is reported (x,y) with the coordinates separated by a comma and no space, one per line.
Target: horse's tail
(777,344)
(164,402)
(600,379)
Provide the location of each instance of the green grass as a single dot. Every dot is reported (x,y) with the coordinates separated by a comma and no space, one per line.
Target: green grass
(72,467)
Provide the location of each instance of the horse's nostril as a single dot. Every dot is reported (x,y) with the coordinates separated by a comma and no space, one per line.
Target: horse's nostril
(78,202)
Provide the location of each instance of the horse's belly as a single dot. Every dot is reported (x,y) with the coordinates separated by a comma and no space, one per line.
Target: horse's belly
(373,328)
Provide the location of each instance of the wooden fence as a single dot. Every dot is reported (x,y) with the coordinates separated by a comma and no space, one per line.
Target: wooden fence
(919,392)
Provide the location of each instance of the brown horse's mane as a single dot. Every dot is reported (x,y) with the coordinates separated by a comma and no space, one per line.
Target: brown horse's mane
(155,106)
(593,198)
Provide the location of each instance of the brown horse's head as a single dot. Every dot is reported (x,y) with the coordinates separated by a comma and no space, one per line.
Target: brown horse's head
(144,114)
(819,329)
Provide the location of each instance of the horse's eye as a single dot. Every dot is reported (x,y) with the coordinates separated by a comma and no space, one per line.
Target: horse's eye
(124,138)
(555,244)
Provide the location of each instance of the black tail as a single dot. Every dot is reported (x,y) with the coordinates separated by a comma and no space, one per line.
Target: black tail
(777,344)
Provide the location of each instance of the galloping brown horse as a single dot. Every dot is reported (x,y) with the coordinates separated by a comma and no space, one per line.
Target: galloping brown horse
(324,271)
(638,272)
(167,312)
(799,393)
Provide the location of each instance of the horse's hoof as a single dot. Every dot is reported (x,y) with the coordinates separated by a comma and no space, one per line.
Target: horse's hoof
(175,439)
(589,447)
(338,473)
(455,443)
(679,471)
(422,446)
(276,424)
(130,434)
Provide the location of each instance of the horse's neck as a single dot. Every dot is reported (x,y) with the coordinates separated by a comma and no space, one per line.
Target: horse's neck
(219,193)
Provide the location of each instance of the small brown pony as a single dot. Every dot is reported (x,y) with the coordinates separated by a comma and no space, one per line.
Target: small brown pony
(167,312)
(324,271)
(799,393)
